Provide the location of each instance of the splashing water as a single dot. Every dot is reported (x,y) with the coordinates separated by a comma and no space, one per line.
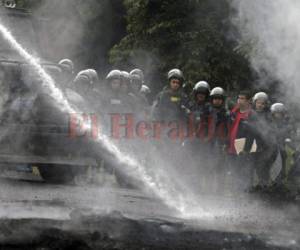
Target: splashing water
(161,186)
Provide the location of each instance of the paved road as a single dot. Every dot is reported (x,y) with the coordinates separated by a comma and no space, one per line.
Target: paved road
(31,208)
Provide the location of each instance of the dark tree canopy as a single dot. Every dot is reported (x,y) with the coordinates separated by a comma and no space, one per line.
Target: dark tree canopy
(192,35)
(155,35)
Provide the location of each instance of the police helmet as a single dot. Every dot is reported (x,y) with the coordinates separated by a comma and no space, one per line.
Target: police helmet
(138,72)
(202,87)
(217,92)
(136,79)
(278,108)
(67,65)
(88,76)
(145,90)
(261,96)
(114,74)
(175,73)
(125,76)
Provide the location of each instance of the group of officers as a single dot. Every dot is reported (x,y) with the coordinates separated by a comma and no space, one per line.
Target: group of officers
(244,141)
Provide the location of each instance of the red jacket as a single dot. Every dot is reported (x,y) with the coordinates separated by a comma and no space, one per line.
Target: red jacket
(236,117)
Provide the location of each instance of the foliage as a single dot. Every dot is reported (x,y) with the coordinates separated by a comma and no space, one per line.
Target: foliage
(192,35)
(155,35)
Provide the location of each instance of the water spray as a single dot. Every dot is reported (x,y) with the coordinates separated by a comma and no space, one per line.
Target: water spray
(166,191)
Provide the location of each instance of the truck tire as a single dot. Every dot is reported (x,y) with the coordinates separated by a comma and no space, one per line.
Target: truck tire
(58,174)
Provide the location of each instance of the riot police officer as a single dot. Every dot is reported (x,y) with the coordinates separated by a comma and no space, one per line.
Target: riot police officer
(218,122)
(85,80)
(144,88)
(67,67)
(261,102)
(200,108)
(125,83)
(116,100)
(196,146)
(170,101)
(136,83)
(261,131)
(218,118)
(140,73)
(84,84)
(284,131)
(126,94)
(140,101)
(113,100)
(168,110)
(145,92)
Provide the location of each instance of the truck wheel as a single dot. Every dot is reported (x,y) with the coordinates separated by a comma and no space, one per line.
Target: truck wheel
(59,174)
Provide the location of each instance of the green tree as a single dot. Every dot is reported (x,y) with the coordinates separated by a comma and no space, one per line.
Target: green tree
(193,35)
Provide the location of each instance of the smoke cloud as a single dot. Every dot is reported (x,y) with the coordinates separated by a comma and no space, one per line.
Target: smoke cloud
(272,30)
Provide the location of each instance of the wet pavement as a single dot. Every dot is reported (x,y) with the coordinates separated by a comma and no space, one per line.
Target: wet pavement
(36,215)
